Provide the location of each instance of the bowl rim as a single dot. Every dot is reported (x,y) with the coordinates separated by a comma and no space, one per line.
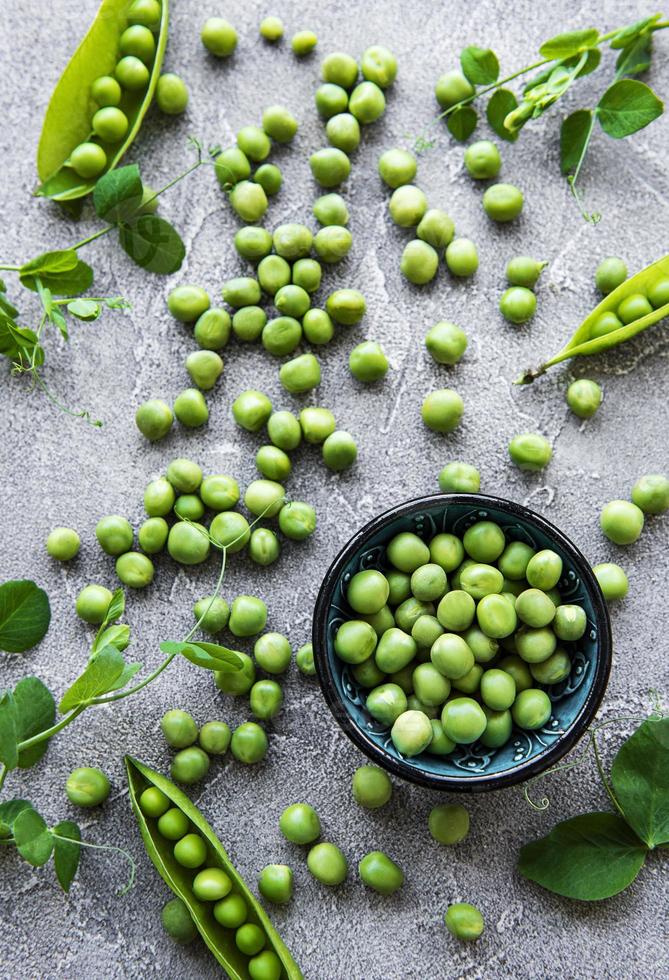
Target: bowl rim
(486,781)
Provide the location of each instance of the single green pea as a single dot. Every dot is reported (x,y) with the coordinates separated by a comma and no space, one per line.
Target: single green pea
(264,547)
(105,90)
(407,205)
(498,689)
(419,262)
(265,699)
(219,37)
(110,124)
(276,884)
(346,306)
(604,324)
(273,273)
(273,463)
(407,552)
(399,582)
(343,132)
(518,304)
(633,308)
(327,864)
(331,100)
(231,531)
(367,102)
(651,493)
(279,124)
(188,543)
(496,616)
(152,535)
(530,451)
(87,787)
(329,166)
(254,143)
(92,604)
(212,329)
(251,410)
(299,823)
(135,570)
(330,209)
(297,520)
(436,228)
(584,397)
(146,12)
(411,733)
(531,709)
(248,200)
(272,653)
(231,912)
(236,682)
(371,787)
(535,608)
(241,291)
(379,65)
(189,766)
(448,823)
(132,73)
(403,679)
(386,703)
(292,301)
(189,507)
(63,543)
(249,743)
(153,802)
(523,270)
(456,610)
(612,581)
(271,29)
(184,475)
(441,744)
(179,729)
(367,674)
(461,257)
(658,293)
(190,408)
(367,591)
(214,738)
(292,241)
(479,580)
(446,342)
(621,521)
(333,243)
(253,243)
(485,648)
(211,613)
(307,274)
(397,167)
(535,644)
(231,166)
(514,560)
(442,410)
(317,424)
(284,430)
(173,824)
(211,885)
(470,683)
(446,550)
(464,720)
(171,94)
(483,160)
(428,582)
(367,362)
(451,656)
(610,273)
(554,670)
(570,622)
(248,616)
(459,478)
(187,303)
(503,202)
(339,450)
(430,686)
(265,965)
(301,374)
(303,43)
(484,541)
(464,921)
(380,873)
(205,368)
(88,160)
(270,178)
(191,850)
(219,492)
(178,922)
(452,87)
(281,335)
(304,658)
(340,69)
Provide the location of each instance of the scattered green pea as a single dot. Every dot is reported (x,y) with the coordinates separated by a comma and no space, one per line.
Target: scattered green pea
(464,921)
(530,451)
(299,824)
(419,262)
(190,408)
(317,424)
(367,102)
(63,543)
(446,342)
(330,209)
(407,206)
(87,787)
(610,273)
(264,547)
(327,864)
(171,94)
(303,43)
(249,743)
(612,580)
(304,658)
(449,823)
(584,397)
(205,368)
(518,304)
(380,873)
(621,521)
(251,410)
(212,613)
(339,450)
(461,257)
(522,270)
(329,166)
(397,167)
(651,493)
(271,29)
(214,738)
(452,87)
(503,202)
(442,410)
(279,123)
(276,883)
(459,478)
(219,37)
(367,362)
(482,160)
(92,603)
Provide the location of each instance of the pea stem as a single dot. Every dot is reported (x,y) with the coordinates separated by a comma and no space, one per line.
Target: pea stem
(108,699)
(49,732)
(495,85)
(5,267)
(602,775)
(105,847)
(93,237)
(3,774)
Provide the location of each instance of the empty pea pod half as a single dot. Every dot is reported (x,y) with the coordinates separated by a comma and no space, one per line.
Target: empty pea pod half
(72,151)
(160,848)
(638,303)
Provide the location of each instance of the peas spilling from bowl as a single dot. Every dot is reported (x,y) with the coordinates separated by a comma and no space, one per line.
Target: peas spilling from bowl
(457,639)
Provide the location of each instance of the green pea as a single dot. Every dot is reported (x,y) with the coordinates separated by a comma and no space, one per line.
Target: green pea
(63,543)
(518,304)
(173,824)
(153,802)
(303,43)
(343,132)
(211,613)
(253,243)
(237,682)
(92,604)
(299,823)
(242,291)
(407,206)
(248,200)
(448,823)
(105,90)
(419,262)
(605,323)
(265,699)
(251,410)
(442,410)
(219,492)
(498,689)
(479,580)
(651,493)
(535,644)
(446,550)
(189,766)
(496,616)
(407,552)
(441,744)
(231,166)
(219,37)
(301,374)
(214,738)
(379,872)
(331,100)
(88,160)
(273,273)
(470,683)
(171,94)
(531,709)
(179,729)
(570,622)
(205,368)
(456,610)
(281,335)
(503,202)
(367,362)
(146,12)
(386,703)
(554,670)
(430,686)
(339,69)
(482,160)
(190,408)
(132,73)
(178,922)
(270,178)
(248,616)
(279,123)
(317,424)
(297,520)
(535,608)
(584,397)
(276,884)
(621,521)
(211,884)
(367,102)
(610,273)
(329,166)
(452,87)
(184,475)
(658,293)
(451,656)
(371,787)
(397,167)
(464,720)
(379,65)
(264,547)
(459,478)
(307,274)
(273,463)
(292,241)
(464,921)
(446,342)
(339,450)
(411,733)
(266,965)
(367,674)
(409,611)
(292,301)
(87,787)
(284,430)
(514,560)
(110,124)
(403,679)
(271,29)
(249,743)
(633,308)
(272,653)
(231,912)
(152,535)
(436,228)
(230,530)
(327,864)
(530,451)
(254,143)
(484,541)
(399,582)
(212,330)
(346,306)
(498,725)
(304,658)
(485,648)
(461,257)
(524,271)
(428,582)
(333,243)
(191,850)
(135,570)
(188,543)
(330,209)
(367,591)
(612,581)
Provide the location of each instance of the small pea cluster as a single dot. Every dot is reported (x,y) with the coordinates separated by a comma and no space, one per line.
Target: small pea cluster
(455,660)
(622,521)
(248,744)
(612,273)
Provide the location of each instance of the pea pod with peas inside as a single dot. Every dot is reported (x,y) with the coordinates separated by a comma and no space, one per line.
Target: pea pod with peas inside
(115,71)
(180,873)
(638,303)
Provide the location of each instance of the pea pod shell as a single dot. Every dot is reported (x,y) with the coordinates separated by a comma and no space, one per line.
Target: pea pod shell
(581,344)
(219,940)
(67,122)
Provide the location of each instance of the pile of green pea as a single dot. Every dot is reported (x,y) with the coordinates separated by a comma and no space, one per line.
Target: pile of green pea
(622,521)
(457,638)
(248,744)
(611,273)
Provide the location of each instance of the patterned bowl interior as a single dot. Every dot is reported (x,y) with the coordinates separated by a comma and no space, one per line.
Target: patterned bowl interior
(568,697)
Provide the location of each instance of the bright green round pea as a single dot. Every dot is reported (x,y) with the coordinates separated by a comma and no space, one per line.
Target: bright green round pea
(307,274)
(249,743)
(379,65)
(219,37)
(327,863)
(612,581)
(153,802)
(446,342)
(333,243)
(110,124)
(498,689)
(371,787)
(535,644)
(292,301)
(658,293)
(275,883)
(339,69)
(485,648)
(343,132)
(317,424)
(191,850)
(253,243)
(484,541)
(419,262)
(205,368)
(184,475)
(87,787)
(264,497)
(231,912)
(461,257)
(254,143)
(535,608)
(456,610)
(329,166)
(436,228)
(271,29)
(442,410)
(188,543)
(281,335)
(496,616)
(273,463)
(464,720)
(248,200)
(146,12)
(339,450)
(410,610)
(219,492)
(397,167)
(584,397)
(248,616)
(530,451)
(367,591)
(266,965)
(178,922)
(451,656)
(430,686)
(190,766)
(265,699)
(355,641)
(379,872)
(621,521)
(449,823)
(446,550)
(92,604)
(179,729)
(367,674)
(610,273)
(214,737)
(304,659)
(428,582)
(171,94)
(284,430)
(331,100)
(211,885)
(518,304)
(138,40)
(518,669)
(237,682)
(346,306)
(441,744)
(212,329)
(523,270)
(190,408)
(411,733)
(135,570)
(367,362)
(251,410)
(651,493)
(531,709)
(514,560)
(269,177)
(88,160)
(303,43)
(367,102)
(63,543)
(301,374)
(570,622)
(407,205)
(159,497)
(464,921)
(482,160)
(187,303)
(604,324)
(480,579)
(451,88)
(330,209)
(299,823)
(279,123)
(173,824)
(459,478)
(231,166)
(211,613)
(553,670)
(633,308)
(503,202)
(297,520)
(292,241)
(407,552)
(272,653)
(132,73)
(386,703)
(105,90)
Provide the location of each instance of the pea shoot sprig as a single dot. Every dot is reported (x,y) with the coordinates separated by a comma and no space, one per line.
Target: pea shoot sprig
(626,106)
(60,278)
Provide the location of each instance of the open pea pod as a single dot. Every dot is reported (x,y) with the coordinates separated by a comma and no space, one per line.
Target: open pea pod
(221,941)
(582,344)
(67,122)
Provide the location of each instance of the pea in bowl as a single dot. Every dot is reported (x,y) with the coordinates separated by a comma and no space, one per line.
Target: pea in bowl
(503,753)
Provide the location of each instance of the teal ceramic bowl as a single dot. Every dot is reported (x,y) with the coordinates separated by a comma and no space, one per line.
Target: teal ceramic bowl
(470,767)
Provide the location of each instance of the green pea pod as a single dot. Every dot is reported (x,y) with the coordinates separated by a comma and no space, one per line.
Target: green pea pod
(581,344)
(67,122)
(220,941)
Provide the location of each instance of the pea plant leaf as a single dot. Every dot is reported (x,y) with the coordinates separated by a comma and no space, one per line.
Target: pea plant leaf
(565,45)
(500,104)
(589,857)
(84,309)
(479,65)
(626,107)
(99,677)
(118,194)
(209,656)
(9,811)
(635,58)
(640,780)
(126,675)
(66,852)
(462,123)
(9,755)
(632,32)
(35,711)
(115,636)
(153,244)
(574,134)
(115,611)
(5,306)
(34,841)
(25,615)
(63,272)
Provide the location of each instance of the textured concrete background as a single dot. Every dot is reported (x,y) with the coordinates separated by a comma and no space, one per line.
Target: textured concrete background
(58,471)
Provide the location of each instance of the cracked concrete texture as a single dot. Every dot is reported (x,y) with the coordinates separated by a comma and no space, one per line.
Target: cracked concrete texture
(57,471)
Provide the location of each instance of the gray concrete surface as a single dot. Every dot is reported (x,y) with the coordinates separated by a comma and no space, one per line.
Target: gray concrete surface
(58,471)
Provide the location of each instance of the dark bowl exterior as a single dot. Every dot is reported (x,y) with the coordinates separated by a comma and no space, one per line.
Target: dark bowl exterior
(435,510)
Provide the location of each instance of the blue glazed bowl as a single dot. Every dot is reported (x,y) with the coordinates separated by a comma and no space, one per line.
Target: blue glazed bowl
(469,767)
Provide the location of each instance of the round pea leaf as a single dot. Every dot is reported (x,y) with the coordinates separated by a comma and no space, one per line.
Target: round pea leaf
(626,107)
(501,103)
(24,615)
(640,778)
(565,45)
(479,65)
(574,135)
(462,123)
(66,852)
(34,840)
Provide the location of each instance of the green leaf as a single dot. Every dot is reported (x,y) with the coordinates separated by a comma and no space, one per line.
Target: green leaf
(99,677)
(118,194)
(479,65)
(640,779)
(153,244)
(116,606)
(64,282)
(84,309)
(626,107)
(589,857)
(627,34)
(115,611)
(34,840)
(59,320)
(574,134)
(565,45)
(636,57)
(9,755)
(35,711)
(115,636)
(501,103)
(462,123)
(50,263)
(127,674)
(9,811)
(5,306)
(24,615)
(66,852)
(209,656)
